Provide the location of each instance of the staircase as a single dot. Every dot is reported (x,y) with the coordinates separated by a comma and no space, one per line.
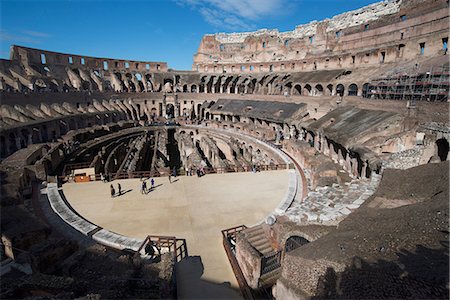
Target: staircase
(270,260)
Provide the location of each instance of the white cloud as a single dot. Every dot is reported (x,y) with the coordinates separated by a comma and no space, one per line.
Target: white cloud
(23,36)
(235,14)
(35,33)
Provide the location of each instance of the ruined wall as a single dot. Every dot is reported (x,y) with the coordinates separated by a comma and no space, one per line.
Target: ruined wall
(383,32)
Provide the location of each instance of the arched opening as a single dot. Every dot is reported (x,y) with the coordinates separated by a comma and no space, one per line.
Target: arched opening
(24,138)
(319,90)
(139,81)
(185,88)
(365,90)
(170,111)
(307,90)
(297,90)
(193,88)
(294,242)
(340,89)
(443,148)
(129,79)
(329,89)
(353,90)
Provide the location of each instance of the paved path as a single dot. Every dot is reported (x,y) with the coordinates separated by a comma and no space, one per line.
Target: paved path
(193,208)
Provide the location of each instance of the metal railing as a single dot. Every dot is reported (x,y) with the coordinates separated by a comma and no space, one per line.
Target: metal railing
(177,247)
(271,262)
(229,243)
(166,171)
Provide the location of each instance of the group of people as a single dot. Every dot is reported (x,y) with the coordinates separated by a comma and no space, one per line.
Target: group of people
(113,191)
(199,171)
(144,189)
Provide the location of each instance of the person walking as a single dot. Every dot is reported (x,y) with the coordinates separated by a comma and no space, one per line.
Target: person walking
(152,181)
(113,192)
(170,178)
(119,188)
(144,187)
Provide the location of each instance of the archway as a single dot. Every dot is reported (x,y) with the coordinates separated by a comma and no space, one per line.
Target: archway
(442,148)
(319,90)
(170,111)
(294,242)
(297,90)
(307,90)
(365,90)
(193,88)
(329,89)
(340,89)
(353,90)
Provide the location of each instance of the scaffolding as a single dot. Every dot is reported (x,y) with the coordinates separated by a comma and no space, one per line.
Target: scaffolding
(429,86)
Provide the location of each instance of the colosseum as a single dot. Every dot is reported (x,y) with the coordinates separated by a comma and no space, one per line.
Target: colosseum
(304,164)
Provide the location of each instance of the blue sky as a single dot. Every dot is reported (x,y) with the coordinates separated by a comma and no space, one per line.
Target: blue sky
(153,30)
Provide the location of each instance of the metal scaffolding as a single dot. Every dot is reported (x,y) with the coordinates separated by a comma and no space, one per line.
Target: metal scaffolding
(430,86)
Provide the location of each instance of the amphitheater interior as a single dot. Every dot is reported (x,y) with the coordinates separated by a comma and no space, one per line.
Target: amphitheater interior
(353,110)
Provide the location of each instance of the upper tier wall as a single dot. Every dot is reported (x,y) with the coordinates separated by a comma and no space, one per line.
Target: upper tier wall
(383,32)
(39,57)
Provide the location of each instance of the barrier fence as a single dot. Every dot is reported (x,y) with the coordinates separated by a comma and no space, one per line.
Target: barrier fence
(166,171)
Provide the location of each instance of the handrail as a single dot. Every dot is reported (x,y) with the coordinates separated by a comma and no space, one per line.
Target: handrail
(227,235)
(170,242)
(270,262)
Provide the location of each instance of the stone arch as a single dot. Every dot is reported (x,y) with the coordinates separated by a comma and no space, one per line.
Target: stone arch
(193,88)
(365,90)
(24,134)
(296,89)
(318,90)
(251,86)
(340,89)
(353,90)
(442,149)
(35,137)
(307,90)
(329,89)
(185,88)
(138,77)
(170,110)
(294,242)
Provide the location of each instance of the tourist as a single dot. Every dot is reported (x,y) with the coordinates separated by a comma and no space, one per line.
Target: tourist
(102,178)
(170,178)
(144,187)
(119,189)
(174,172)
(153,183)
(113,192)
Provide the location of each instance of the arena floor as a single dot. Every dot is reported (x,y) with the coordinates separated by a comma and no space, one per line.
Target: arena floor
(193,208)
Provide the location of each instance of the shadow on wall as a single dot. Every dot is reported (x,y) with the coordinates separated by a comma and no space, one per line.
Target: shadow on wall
(419,275)
(192,286)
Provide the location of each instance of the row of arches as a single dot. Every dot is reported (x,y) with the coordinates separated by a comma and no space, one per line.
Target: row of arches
(48,131)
